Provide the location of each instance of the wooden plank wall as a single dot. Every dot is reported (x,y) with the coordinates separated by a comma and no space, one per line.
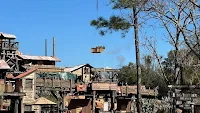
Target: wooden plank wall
(53,83)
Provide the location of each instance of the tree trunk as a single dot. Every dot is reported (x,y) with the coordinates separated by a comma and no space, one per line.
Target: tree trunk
(137,50)
(177,69)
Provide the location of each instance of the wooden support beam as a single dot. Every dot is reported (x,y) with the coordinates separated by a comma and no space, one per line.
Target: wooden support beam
(93,102)
(16,106)
(112,101)
(63,100)
(71,86)
(82,74)
(90,73)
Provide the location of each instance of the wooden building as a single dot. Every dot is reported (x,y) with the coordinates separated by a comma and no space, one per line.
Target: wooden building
(84,72)
(11,98)
(36,83)
(29,61)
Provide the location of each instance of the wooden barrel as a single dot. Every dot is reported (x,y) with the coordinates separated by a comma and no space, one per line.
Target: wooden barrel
(2,88)
(9,88)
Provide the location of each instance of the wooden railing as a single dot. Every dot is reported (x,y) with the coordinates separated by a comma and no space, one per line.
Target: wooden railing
(8,87)
(133,90)
(54,83)
(9,45)
(104,86)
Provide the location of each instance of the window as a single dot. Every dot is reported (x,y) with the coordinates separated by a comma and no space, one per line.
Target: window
(87,70)
(27,108)
(29,84)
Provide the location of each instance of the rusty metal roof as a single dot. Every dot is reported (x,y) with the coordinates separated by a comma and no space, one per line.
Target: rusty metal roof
(8,35)
(4,65)
(28,57)
(26,73)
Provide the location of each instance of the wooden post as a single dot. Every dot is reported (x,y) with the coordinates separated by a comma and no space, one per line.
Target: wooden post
(20,105)
(53,108)
(17,65)
(90,73)
(71,86)
(93,104)
(16,106)
(82,74)
(112,101)
(63,101)
(53,82)
(126,90)
(44,87)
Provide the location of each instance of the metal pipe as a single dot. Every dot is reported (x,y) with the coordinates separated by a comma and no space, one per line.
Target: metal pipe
(45,47)
(54,46)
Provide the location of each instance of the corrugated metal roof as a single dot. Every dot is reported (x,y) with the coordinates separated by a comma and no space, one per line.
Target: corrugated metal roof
(70,69)
(28,57)
(4,65)
(8,35)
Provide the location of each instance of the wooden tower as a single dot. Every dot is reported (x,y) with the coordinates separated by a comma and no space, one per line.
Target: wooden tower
(8,51)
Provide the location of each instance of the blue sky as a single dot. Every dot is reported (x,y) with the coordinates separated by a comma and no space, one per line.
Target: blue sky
(33,21)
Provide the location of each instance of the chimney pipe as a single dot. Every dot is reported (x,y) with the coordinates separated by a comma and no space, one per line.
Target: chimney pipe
(45,47)
(54,47)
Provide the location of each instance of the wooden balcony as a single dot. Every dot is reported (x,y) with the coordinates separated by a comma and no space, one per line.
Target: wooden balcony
(9,45)
(133,90)
(8,88)
(104,86)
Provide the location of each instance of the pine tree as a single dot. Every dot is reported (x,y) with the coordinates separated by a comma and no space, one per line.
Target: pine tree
(124,24)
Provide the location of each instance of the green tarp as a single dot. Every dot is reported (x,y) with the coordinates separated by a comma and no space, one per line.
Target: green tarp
(63,75)
(67,76)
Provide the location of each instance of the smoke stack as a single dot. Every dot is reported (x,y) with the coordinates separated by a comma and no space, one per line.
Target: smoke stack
(45,47)
(54,47)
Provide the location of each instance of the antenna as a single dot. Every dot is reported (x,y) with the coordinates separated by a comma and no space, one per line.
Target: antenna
(45,47)
(54,47)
